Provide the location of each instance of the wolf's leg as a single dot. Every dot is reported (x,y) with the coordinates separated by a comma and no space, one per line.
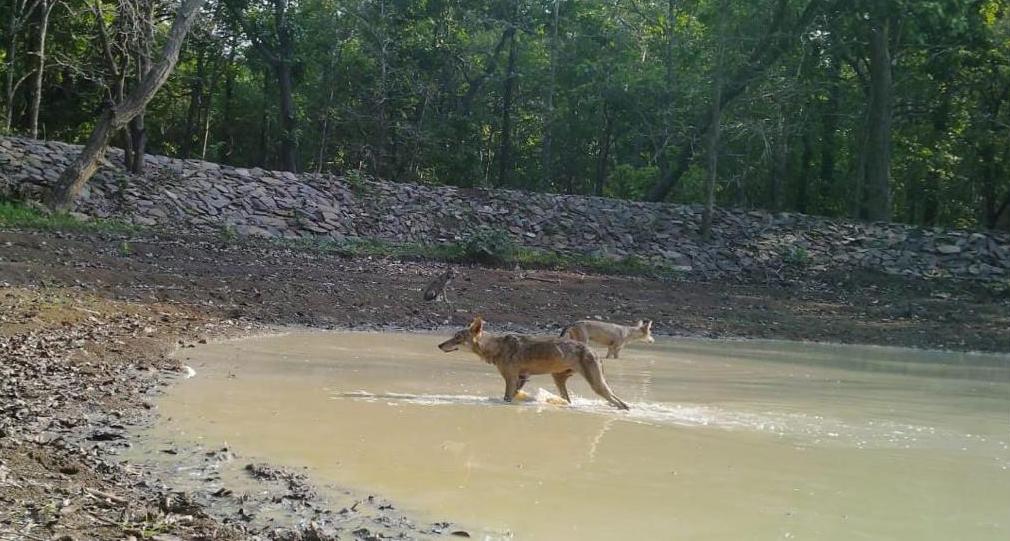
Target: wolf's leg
(560,380)
(511,386)
(611,352)
(593,372)
(523,378)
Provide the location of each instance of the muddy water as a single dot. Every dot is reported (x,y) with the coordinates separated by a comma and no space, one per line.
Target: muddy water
(725,440)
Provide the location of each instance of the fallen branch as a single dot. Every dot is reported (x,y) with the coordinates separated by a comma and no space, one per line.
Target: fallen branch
(98,494)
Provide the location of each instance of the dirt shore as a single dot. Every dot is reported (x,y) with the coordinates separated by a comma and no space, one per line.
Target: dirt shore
(87,322)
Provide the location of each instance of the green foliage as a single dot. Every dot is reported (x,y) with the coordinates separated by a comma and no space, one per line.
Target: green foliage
(414,91)
(489,246)
(357,180)
(228,233)
(21,216)
(796,256)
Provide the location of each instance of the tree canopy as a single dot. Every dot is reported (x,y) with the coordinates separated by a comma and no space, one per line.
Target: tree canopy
(872,109)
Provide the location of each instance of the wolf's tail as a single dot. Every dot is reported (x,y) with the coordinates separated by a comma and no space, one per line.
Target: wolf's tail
(563,331)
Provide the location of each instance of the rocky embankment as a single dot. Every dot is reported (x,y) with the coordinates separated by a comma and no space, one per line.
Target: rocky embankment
(208,197)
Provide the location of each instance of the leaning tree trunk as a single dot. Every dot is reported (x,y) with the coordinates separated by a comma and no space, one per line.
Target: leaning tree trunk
(878,137)
(74,177)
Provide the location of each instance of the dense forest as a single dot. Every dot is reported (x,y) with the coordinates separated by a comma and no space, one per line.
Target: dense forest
(870,109)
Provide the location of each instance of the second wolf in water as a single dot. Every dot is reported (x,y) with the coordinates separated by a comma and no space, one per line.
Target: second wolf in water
(611,335)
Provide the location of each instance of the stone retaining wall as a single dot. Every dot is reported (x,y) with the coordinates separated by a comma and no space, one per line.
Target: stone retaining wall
(207,197)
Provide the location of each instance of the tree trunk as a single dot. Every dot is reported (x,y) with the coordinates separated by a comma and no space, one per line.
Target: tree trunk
(137,127)
(715,123)
(547,153)
(780,163)
(228,109)
(195,104)
(829,127)
(806,171)
(878,157)
(264,138)
(289,141)
(138,137)
(603,157)
(505,154)
(46,9)
(73,179)
(9,57)
(20,10)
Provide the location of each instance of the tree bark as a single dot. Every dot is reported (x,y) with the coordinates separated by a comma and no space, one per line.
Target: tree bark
(806,171)
(505,154)
(715,123)
(20,10)
(195,104)
(829,128)
(10,55)
(138,131)
(289,141)
(547,153)
(264,135)
(40,52)
(280,58)
(780,165)
(603,157)
(879,119)
(73,179)
(228,108)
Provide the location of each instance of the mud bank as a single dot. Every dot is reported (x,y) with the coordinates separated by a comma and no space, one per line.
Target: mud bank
(79,379)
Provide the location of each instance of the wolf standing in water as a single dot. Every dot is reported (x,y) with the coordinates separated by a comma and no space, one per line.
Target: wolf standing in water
(519,357)
(611,335)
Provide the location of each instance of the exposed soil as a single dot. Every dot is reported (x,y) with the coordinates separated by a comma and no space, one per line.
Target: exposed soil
(265,283)
(87,323)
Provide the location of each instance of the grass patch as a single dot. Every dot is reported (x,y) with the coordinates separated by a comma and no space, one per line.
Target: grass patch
(14,214)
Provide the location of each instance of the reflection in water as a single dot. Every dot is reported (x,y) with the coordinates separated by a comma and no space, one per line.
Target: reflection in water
(725,440)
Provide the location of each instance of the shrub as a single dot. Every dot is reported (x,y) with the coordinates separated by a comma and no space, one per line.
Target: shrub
(491,247)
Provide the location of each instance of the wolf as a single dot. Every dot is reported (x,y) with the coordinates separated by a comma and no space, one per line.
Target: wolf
(611,335)
(519,357)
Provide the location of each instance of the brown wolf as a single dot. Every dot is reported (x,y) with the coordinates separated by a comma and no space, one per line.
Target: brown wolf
(519,357)
(611,335)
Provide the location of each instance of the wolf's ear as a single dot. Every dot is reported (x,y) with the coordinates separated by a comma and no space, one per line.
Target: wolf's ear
(477,325)
(648,324)
(640,324)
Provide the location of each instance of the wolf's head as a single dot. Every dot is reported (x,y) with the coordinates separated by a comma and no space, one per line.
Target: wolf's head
(644,329)
(466,338)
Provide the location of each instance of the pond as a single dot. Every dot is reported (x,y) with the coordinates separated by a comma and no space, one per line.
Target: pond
(724,440)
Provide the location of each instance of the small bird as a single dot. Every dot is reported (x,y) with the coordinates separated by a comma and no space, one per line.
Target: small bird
(436,290)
